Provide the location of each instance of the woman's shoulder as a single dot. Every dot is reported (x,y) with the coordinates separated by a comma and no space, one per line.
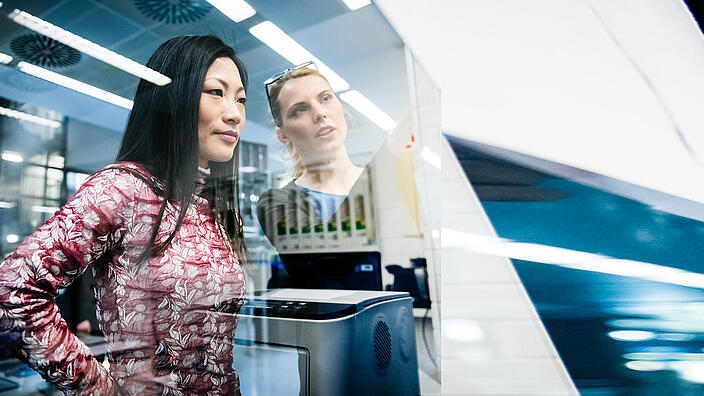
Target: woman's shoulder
(123,176)
(284,193)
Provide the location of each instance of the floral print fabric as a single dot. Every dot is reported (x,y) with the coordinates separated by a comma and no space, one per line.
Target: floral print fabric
(168,322)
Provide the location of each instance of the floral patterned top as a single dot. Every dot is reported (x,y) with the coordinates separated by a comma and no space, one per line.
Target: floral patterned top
(168,322)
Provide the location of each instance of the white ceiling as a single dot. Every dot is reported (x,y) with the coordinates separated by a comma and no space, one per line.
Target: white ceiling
(359,45)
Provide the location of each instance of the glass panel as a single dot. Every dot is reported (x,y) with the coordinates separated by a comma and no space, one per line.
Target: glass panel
(339,237)
(616,282)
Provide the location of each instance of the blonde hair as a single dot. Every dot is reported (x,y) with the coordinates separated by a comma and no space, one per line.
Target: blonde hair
(297,167)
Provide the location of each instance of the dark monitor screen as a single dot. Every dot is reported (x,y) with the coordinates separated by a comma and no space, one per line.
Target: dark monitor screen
(330,270)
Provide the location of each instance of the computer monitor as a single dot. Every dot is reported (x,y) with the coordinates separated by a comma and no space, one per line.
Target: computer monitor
(329,270)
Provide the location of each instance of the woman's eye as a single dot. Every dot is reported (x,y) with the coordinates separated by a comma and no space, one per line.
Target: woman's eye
(299,110)
(242,100)
(326,98)
(217,92)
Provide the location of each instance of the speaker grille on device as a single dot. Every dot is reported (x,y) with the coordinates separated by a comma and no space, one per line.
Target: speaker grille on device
(382,345)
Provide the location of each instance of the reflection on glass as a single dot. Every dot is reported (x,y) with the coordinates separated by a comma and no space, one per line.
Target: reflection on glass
(310,123)
(286,343)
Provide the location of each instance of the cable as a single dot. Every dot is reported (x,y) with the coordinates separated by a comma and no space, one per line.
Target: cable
(425,340)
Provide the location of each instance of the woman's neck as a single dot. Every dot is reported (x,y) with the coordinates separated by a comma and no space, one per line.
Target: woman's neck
(334,176)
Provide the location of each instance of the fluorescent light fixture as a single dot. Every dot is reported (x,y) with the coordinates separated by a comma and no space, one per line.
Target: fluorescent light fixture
(7,205)
(75,85)
(5,58)
(237,10)
(248,169)
(12,156)
(631,335)
(284,45)
(44,209)
(567,258)
(356,4)
(365,106)
(88,47)
(12,238)
(29,117)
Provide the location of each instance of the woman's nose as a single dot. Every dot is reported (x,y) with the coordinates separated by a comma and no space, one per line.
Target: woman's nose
(232,113)
(319,114)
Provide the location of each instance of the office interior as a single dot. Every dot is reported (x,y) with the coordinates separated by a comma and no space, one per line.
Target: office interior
(375,261)
(547,153)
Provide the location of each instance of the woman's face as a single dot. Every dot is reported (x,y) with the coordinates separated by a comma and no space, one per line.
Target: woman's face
(312,119)
(221,114)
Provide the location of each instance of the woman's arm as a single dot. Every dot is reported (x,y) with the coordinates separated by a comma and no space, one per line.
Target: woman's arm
(49,260)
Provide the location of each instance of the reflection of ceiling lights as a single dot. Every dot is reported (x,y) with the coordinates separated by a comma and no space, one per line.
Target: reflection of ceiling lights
(7,205)
(248,169)
(5,59)
(431,158)
(44,209)
(11,156)
(237,10)
(88,47)
(29,117)
(645,365)
(690,371)
(356,4)
(284,45)
(631,335)
(568,258)
(463,330)
(12,238)
(368,109)
(75,85)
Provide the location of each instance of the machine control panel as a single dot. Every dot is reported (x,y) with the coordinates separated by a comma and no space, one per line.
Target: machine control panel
(297,309)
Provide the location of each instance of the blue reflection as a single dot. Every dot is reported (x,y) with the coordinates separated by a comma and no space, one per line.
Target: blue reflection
(586,313)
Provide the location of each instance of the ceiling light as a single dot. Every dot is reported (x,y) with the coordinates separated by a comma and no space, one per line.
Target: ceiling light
(7,205)
(29,117)
(368,109)
(88,47)
(12,238)
(284,45)
(568,258)
(248,169)
(237,10)
(631,335)
(5,59)
(75,85)
(12,156)
(356,4)
(44,209)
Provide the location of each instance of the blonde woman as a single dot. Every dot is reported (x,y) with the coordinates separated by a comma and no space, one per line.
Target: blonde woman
(310,123)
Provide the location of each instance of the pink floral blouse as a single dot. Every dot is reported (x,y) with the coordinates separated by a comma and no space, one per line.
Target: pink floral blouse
(168,322)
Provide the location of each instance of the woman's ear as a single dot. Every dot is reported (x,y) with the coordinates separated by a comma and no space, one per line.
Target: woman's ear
(282,136)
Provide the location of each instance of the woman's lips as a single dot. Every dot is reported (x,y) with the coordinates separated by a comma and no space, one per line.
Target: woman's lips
(325,132)
(228,136)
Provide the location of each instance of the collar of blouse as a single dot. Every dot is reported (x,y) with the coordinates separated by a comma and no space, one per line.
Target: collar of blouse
(203,174)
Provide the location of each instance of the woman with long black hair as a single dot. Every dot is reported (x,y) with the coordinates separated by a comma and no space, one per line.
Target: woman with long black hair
(160,229)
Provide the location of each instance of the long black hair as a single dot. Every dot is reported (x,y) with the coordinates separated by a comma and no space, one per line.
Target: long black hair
(162,136)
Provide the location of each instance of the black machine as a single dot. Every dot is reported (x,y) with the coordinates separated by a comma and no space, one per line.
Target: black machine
(328,270)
